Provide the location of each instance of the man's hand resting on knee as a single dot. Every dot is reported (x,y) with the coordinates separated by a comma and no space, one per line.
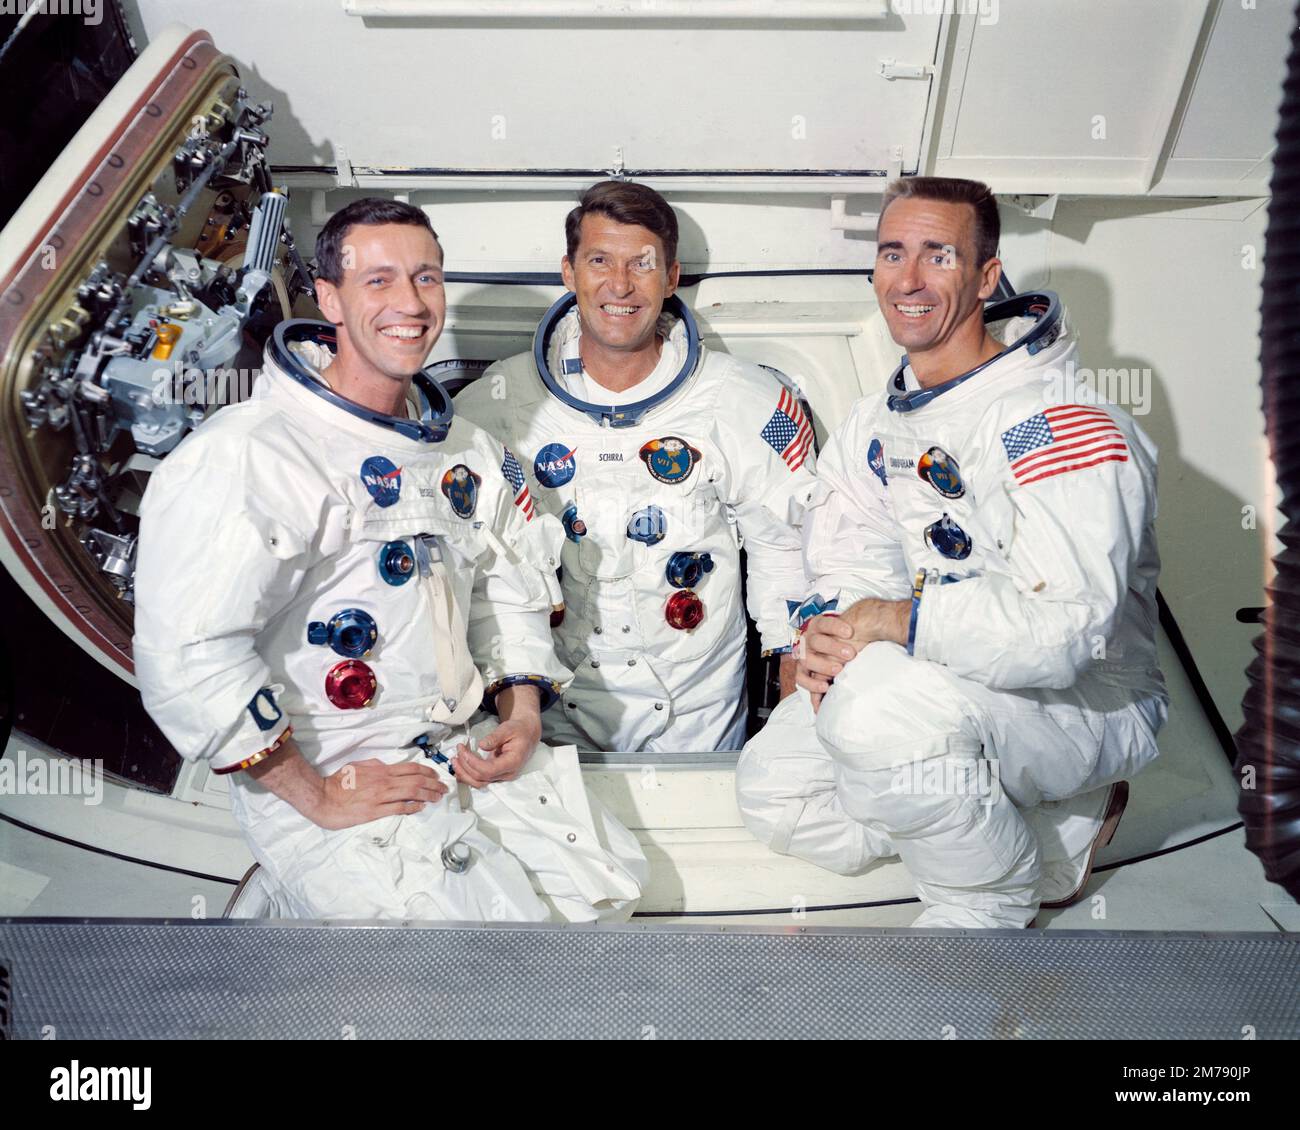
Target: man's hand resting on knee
(356,794)
(830,640)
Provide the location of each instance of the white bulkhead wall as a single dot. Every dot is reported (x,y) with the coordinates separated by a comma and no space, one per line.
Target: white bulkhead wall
(509,93)
(1169,291)
(1137,135)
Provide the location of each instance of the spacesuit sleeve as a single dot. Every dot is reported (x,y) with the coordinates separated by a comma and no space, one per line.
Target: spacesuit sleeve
(1072,540)
(214,564)
(767,441)
(774,575)
(852,547)
(515,591)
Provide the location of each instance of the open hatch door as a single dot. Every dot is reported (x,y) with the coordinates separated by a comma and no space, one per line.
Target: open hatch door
(137,283)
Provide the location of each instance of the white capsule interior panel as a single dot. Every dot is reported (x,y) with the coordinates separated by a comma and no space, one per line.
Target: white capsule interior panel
(507,93)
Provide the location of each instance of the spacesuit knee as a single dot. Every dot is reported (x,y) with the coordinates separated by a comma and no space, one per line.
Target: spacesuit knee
(760,811)
(888,709)
(768,779)
(787,793)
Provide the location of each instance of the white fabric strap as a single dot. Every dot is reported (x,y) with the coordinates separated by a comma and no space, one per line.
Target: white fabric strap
(462,685)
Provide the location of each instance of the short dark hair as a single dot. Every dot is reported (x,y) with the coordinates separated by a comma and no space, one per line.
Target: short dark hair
(625,203)
(367,210)
(955,190)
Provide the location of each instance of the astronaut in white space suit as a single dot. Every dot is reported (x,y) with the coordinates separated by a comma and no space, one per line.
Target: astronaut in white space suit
(661,459)
(983,676)
(328,588)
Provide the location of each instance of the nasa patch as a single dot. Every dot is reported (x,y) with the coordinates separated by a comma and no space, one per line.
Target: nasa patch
(382,479)
(948,538)
(876,460)
(941,471)
(670,459)
(460,485)
(554,465)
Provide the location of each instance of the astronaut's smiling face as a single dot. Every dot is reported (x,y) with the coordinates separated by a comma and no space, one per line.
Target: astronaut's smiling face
(621,280)
(390,305)
(927,282)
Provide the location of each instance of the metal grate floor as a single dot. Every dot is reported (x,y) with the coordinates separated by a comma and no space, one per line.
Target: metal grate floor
(163,979)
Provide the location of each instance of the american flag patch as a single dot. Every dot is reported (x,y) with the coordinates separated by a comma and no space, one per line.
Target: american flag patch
(1067,437)
(788,432)
(514,475)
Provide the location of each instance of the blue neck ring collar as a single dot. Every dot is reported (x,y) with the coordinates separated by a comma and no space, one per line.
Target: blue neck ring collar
(1045,305)
(614,415)
(435,415)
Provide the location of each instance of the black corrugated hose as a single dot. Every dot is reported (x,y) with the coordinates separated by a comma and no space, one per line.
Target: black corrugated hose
(1269,742)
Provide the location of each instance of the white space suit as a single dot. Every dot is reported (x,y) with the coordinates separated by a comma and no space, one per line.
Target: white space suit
(657,489)
(1018,519)
(304,562)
